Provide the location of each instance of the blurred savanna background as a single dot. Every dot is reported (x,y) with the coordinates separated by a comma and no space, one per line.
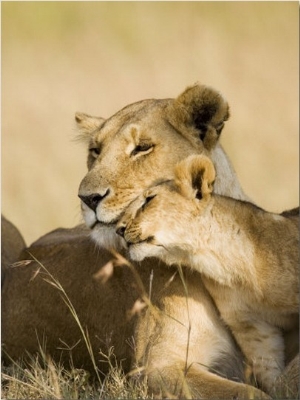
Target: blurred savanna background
(96,57)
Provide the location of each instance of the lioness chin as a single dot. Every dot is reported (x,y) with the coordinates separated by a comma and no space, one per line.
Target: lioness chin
(248,258)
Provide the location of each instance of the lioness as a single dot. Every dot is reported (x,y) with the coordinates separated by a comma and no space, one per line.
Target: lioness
(249,258)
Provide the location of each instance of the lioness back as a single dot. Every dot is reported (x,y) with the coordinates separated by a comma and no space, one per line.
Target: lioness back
(72,259)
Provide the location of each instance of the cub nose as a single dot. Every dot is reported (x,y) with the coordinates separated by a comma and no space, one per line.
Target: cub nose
(121,230)
(93,200)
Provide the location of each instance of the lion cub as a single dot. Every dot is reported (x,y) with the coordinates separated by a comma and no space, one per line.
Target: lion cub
(248,257)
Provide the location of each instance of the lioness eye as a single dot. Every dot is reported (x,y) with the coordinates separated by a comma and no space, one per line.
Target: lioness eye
(147,200)
(94,151)
(142,148)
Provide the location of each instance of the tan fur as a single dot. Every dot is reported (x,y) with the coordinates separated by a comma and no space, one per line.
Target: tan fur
(155,341)
(248,258)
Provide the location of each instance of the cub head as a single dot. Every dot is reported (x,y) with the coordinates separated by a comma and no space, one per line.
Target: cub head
(140,145)
(159,223)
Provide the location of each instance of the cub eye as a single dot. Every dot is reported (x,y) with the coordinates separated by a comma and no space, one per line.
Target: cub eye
(142,148)
(94,151)
(147,201)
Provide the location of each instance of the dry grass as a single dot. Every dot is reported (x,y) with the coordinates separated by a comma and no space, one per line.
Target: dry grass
(41,378)
(62,57)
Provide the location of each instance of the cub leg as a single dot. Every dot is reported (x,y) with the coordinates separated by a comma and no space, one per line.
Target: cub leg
(197,383)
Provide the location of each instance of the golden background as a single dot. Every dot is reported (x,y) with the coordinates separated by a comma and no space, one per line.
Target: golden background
(96,57)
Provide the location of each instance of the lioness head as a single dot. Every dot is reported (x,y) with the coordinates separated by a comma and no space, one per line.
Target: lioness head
(154,221)
(140,145)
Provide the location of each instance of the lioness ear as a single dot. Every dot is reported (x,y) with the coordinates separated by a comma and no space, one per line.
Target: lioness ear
(88,124)
(202,111)
(194,176)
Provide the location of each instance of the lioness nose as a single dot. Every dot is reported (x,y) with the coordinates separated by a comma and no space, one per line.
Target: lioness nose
(93,200)
(121,230)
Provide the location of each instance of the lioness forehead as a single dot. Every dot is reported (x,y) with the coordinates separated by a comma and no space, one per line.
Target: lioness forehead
(136,113)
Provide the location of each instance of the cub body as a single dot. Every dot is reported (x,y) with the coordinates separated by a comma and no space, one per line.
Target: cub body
(248,258)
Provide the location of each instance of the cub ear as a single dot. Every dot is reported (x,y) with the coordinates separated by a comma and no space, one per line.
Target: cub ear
(87,124)
(194,176)
(202,111)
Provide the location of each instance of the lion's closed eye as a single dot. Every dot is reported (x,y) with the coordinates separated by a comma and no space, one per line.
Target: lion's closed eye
(143,148)
(147,201)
